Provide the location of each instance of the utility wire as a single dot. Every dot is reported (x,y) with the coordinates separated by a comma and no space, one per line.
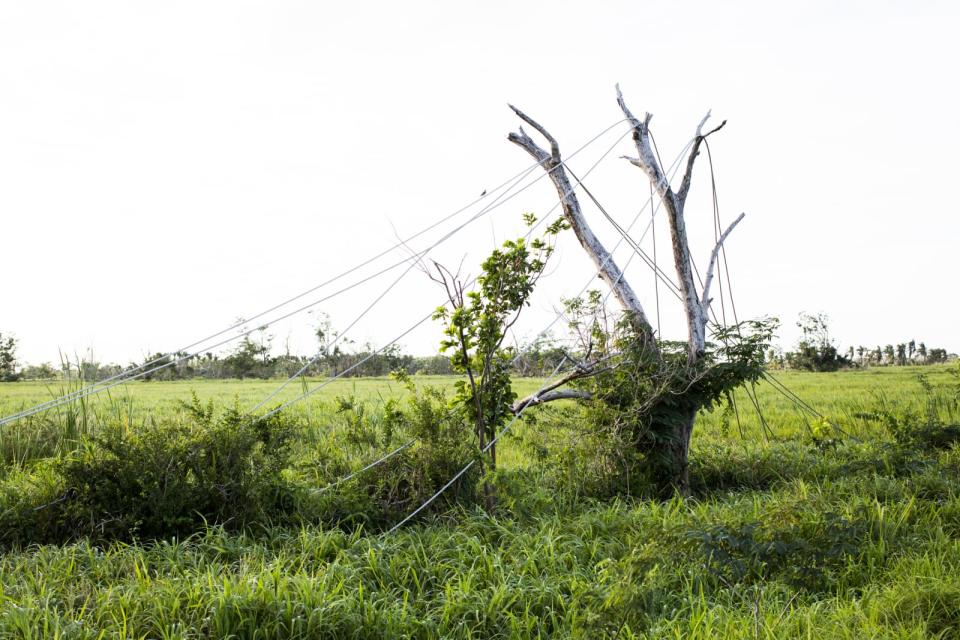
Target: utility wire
(656,279)
(245,321)
(366,468)
(65,400)
(373,354)
(466,468)
(672,170)
(416,259)
(723,248)
(635,245)
(103,385)
(470,464)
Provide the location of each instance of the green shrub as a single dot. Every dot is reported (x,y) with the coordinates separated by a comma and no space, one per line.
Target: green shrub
(442,444)
(173,478)
(30,506)
(914,429)
(804,555)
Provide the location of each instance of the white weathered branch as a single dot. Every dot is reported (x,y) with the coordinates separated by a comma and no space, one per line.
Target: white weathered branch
(554,145)
(608,270)
(548,393)
(550,396)
(673,202)
(647,159)
(698,139)
(705,301)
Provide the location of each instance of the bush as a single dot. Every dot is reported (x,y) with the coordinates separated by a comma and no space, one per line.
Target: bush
(815,350)
(921,430)
(173,478)
(805,555)
(443,442)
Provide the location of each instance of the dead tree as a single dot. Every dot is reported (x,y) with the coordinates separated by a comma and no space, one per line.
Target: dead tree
(696,304)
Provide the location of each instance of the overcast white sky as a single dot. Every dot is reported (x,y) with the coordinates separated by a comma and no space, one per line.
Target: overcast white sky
(168,167)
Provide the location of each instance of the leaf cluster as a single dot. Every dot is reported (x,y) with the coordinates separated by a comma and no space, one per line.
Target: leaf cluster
(175,477)
(477,323)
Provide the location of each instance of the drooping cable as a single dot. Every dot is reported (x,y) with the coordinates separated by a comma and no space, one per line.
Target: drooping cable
(126,375)
(674,167)
(414,261)
(486,448)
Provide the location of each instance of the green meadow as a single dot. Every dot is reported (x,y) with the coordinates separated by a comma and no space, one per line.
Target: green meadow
(838,525)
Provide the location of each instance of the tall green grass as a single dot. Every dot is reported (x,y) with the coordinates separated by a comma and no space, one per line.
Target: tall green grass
(842,396)
(788,534)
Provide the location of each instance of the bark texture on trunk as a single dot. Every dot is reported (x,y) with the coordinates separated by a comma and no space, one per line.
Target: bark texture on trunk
(673,457)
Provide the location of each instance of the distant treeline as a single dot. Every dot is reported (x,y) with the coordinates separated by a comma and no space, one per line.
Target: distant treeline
(252,359)
(815,351)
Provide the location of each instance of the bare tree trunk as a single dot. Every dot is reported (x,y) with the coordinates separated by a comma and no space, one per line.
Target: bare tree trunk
(673,453)
(676,451)
(673,459)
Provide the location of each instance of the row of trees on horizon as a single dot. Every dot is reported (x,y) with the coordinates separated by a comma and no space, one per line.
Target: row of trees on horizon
(254,358)
(816,351)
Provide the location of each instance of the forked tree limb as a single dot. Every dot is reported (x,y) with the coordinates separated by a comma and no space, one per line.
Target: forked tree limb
(691,158)
(607,268)
(694,310)
(549,393)
(554,146)
(705,300)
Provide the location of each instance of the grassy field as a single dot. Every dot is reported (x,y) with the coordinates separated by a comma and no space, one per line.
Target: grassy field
(796,529)
(839,396)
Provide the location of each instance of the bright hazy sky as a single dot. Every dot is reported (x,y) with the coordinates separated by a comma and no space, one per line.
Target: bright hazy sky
(168,167)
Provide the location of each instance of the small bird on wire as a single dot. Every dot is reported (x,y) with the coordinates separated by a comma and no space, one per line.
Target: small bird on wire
(484,193)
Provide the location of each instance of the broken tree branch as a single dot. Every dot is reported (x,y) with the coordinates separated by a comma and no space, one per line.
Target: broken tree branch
(608,270)
(547,393)
(694,152)
(705,301)
(673,202)
(554,146)
(646,159)
(550,396)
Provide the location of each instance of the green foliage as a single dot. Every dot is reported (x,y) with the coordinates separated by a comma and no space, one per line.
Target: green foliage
(440,446)
(172,478)
(646,403)
(43,371)
(850,555)
(477,325)
(815,351)
(8,359)
(161,366)
(806,555)
(823,434)
(923,427)
(250,359)
(783,539)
